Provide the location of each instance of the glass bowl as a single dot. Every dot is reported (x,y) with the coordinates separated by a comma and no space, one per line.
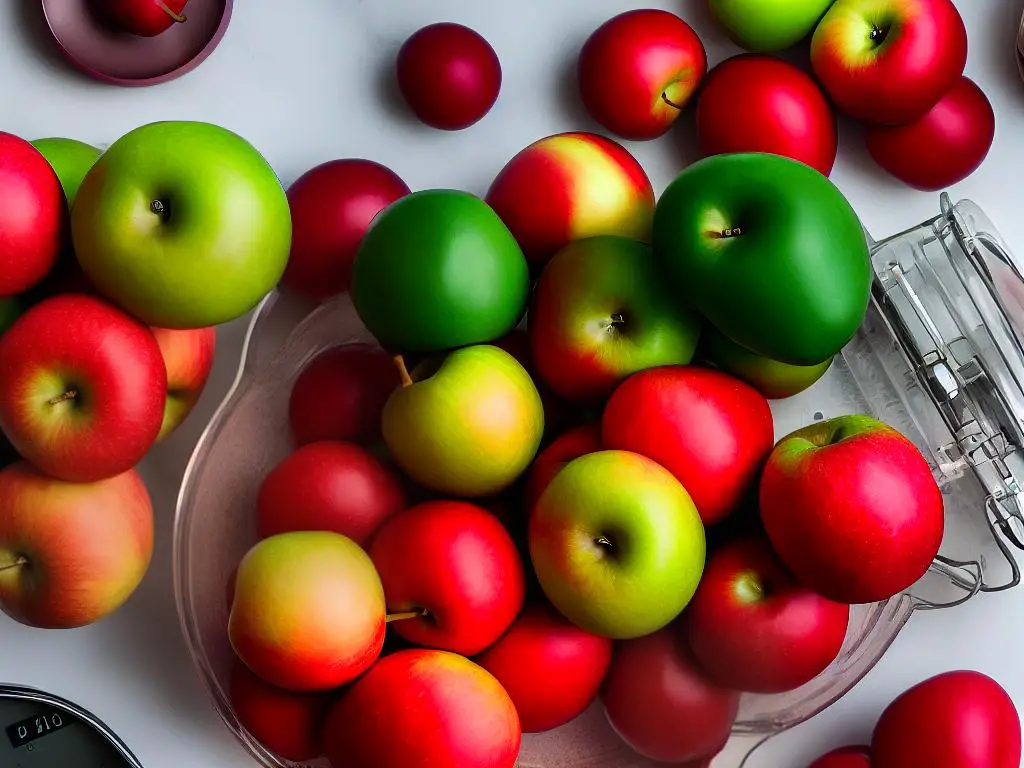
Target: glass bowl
(938,357)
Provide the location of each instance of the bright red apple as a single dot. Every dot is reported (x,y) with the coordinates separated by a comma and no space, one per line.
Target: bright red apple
(449,75)
(845,757)
(32,216)
(285,722)
(960,719)
(711,431)
(341,393)
(71,553)
(944,146)
(188,358)
(752,627)
(570,445)
(456,564)
(638,70)
(758,103)
(329,486)
(888,62)
(550,668)
(661,706)
(82,388)
(146,18)
(332,206)
(852,508)
(423,709)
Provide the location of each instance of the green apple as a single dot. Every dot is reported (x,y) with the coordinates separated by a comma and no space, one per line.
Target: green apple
(768,25)
(617,544)
(771,378)
(438,269)
(70,159)
(183,224)
(10,309)
(466,424)
(769,251)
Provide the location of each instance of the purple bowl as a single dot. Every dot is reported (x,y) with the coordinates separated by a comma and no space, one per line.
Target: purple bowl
(124,59)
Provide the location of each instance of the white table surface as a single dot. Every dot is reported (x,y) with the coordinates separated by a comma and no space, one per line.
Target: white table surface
(303,81)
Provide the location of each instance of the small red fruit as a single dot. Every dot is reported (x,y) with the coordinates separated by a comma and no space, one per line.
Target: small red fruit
(570,445)
(845,757)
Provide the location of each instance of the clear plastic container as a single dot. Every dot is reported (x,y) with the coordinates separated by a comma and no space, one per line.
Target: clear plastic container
(939,357)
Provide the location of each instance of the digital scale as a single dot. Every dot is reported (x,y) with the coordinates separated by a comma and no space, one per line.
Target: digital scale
(40,730)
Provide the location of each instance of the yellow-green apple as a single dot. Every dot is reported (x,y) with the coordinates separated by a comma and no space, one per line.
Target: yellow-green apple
(420,708)
(570,186)
(70,159)
(466,424)
(845,757)
(146,18)
(768,25)
(188,358)
(183,224)
(617,544)
(638,70)
(753,627)
(602,311)
(71,553)
(32,217)
(889,61)
(852,508)
(571,444)
(773,379)
(308,611)
(287,723)
(710,430)
(550,668)
(82,388)
(328,486)
(455,566)
(660,704)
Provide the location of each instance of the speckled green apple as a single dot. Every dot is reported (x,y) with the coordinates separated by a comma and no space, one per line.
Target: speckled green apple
(183,224)
(768,25)
(438,269)
(769,251)
(70,159)
(467,424)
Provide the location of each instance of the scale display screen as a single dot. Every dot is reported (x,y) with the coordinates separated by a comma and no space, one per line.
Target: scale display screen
(37,727)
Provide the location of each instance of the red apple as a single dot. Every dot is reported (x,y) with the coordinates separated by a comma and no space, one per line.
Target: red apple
(329,486)
(852,508)
(332,206)
(424,709)
(455,563)
(962,718)
(845,757)
(341,393)
(550,668)
(757,103)
(285,722)
(711,431)
(82,388)
(637,71)
(661,706)
(889,61)
(71,554)
(32,216)
(752,627)
(188,358)
(449,75)
(570,445)
(146,18)
(942,147)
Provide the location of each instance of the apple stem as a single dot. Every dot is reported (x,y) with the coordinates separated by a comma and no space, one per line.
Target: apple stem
(403,372)
(733,232)
(667,100)
(878,35)
(71,394)
(20,562)
(160,209)
(405,615)
(604,542)
(178,17)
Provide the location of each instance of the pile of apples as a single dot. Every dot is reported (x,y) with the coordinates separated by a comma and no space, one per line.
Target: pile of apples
(115,268)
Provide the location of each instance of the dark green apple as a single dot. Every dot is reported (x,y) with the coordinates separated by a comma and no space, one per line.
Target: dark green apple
(70,159)
(438,269)
(769,251)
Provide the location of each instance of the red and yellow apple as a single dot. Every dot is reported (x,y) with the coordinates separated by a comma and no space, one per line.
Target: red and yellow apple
(308,611)
(570,186)
(188,358)
(638,70)
(423,709)
(71,553)
(570,445)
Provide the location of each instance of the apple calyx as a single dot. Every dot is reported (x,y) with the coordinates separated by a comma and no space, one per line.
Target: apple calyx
(403,372)
(877,35)
(19,562)
(180,18)
(616,322)
(731,232)
(405,615)
(71,394)
(161,209)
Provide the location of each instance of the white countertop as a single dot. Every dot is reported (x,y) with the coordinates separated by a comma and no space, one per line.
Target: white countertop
(305,86)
